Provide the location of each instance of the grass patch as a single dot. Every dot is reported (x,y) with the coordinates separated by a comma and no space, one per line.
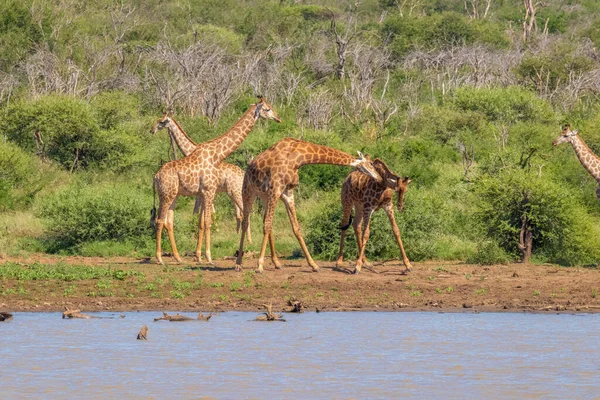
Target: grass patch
(68,273)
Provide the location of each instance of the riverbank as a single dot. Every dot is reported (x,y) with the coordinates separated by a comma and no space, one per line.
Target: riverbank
(49,283)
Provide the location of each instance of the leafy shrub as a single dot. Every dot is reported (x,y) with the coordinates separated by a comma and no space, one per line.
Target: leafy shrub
(71,133)
(562,229)
(113,108)
(508,105)
(67,126)
(21,176)
(109,212)
(489,253)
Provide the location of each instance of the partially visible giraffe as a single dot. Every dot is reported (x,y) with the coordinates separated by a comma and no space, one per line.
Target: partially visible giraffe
(367,195)
(230,178)
(273,175)
(588,159)
(197,174)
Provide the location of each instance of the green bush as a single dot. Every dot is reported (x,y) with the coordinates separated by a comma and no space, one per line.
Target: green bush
(114,108)
(563,231)
(22,176)
(67,126)
(505,105)
(105,212)
(489,253)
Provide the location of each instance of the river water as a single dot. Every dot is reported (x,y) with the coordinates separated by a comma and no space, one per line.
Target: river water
(340,355)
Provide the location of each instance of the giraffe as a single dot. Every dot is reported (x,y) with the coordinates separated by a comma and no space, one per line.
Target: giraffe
(229,178)
(367,195)
(273,175)
(197,174)
(588,159)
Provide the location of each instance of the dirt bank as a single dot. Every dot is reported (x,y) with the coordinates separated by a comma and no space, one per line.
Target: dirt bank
(432,286)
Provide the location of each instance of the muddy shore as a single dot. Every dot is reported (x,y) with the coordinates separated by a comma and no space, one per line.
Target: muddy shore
(431,286)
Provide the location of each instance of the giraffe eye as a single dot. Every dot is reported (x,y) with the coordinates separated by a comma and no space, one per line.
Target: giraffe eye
(267,109)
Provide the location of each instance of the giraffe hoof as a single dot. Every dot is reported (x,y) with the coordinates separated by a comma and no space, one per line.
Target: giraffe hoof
(356,271)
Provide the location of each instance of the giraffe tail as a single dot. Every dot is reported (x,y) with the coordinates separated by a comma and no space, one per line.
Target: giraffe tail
(343,228)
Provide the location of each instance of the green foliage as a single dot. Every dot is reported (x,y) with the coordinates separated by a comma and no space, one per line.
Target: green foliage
(107,212)
(22,176)
(504,105)
(440,30)
(67,127)
(562,232)
(76,134)
(23,23)
(114,108)
(489,253)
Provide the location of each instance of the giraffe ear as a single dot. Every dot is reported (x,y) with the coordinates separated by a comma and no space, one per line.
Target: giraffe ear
(576,131)
(360,155)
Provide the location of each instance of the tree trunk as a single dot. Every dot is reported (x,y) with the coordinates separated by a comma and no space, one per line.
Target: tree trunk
(525,240)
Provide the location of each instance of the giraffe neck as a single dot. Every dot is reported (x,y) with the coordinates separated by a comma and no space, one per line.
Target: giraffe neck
(588,159)
(310,153)
(184,142)
(226,144)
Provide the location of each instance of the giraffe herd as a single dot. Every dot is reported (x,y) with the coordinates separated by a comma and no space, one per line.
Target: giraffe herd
(273,175)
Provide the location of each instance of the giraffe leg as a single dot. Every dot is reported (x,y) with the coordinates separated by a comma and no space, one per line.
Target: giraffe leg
(208,204)
(170,226)
(347,210)
(274,257)
(357,226)
(288,200)
(246,209)
(159,227)
(239,214)
(598,193)
(365,238)
(201,227)
(267,228)
(389,210)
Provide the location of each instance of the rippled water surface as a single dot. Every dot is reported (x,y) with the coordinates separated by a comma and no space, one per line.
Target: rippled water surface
(324,355)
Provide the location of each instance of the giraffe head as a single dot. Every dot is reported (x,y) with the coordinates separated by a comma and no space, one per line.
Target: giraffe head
(264,110)
(565,136)
(393,181)
(161,123)
(365,166)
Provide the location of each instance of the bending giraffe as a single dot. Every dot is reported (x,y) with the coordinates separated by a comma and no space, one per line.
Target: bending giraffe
(273,175)
(197,173)
(230,178)
(588,159)
(367,195)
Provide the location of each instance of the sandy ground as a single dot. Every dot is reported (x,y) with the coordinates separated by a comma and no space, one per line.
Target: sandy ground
(431,286)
